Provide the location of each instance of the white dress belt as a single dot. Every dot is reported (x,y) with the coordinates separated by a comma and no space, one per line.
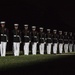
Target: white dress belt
(26,36)
(16,36)
(3,35)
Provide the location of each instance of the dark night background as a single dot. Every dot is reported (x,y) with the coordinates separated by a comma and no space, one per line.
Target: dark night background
(53,15)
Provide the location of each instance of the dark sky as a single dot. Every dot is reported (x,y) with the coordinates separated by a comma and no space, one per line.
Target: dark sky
(53,15)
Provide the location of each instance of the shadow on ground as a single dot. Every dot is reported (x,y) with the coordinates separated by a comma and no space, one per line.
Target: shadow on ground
(61,66)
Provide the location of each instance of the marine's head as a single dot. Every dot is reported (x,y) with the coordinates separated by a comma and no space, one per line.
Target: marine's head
(2,24)
(54,31)
(26,26)
(48,30)
(16,26)
(41,29)
(33,28)
(60,32)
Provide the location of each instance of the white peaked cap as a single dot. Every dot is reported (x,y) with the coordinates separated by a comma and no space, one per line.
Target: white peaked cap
(2,22)
(41,28)
(65,32)
(48,29)
(54,30)
(16,24)
(60,31)
(33,26)
(26,25)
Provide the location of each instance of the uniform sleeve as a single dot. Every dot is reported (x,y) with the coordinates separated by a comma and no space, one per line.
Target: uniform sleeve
(7,33)
(20,36)
(44,37)
(30,36)
(68,37)
(63,37)
(57,38)
(52,37)
(38,37)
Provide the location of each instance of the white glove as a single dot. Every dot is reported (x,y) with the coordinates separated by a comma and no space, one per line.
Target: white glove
(7,40)
(20,42)
(29,41)
(44,42)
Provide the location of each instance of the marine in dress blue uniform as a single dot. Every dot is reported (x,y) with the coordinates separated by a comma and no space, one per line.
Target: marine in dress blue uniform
(61,41)
(34,40)
(16,40)
(27,39)
(55,41)
(4,38)
(66,42)
(49,41)
(71,38)
(42,40)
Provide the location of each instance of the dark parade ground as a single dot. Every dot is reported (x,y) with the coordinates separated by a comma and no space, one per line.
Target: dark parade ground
(38,64)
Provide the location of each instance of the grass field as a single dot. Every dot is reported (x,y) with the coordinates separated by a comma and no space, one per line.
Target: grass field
(11,61)
(37,64)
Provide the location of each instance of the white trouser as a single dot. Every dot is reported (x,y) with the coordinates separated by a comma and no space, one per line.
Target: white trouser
(26,48)
(3,48)
(55,48)
(41,48)
(16,47)
(66,48)
(70,47)
(0,48)
(49,48)
(60,47)
(74,47)
(34,48)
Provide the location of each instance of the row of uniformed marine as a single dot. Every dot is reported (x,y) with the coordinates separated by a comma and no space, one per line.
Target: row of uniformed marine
(63,42)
